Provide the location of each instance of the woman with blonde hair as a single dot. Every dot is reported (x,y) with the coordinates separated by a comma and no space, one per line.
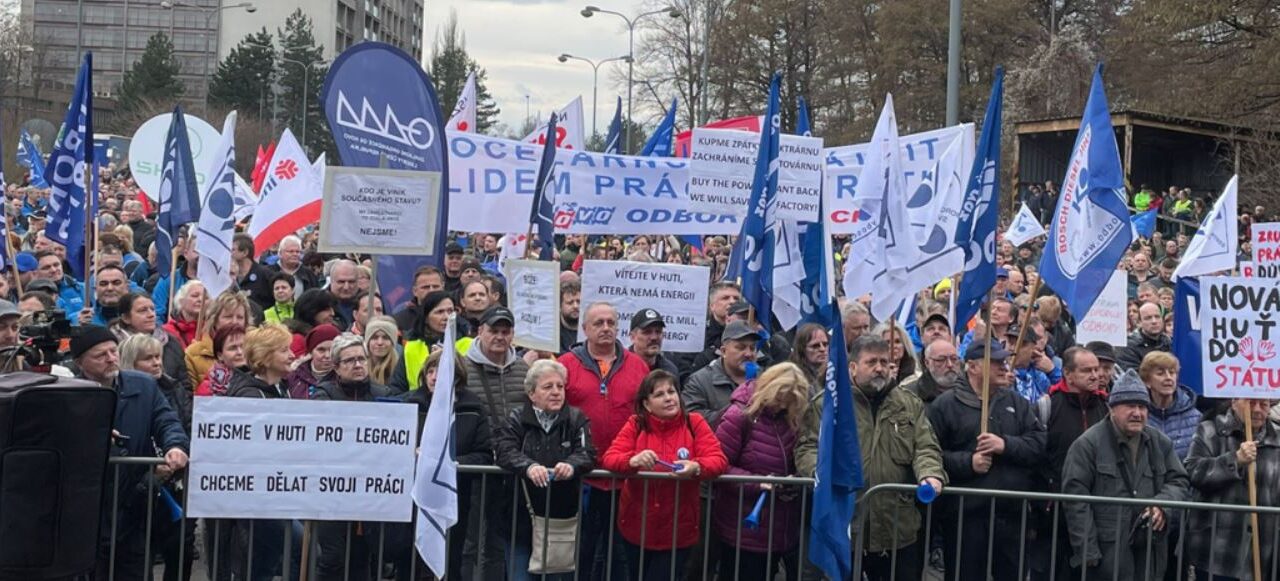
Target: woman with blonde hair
(229,308)
(758,433)
(382,337)
(270,360)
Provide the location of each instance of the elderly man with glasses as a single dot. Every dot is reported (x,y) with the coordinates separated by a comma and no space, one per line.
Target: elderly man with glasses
(941,371)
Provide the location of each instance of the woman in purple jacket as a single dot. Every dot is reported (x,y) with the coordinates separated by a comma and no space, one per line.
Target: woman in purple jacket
(758,433)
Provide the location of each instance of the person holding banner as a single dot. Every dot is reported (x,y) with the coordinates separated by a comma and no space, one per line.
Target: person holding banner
(1216,466)
(547,444)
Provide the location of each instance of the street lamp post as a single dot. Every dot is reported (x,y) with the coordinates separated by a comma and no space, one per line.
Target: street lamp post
(209,13)
(306,80)
(590,11)
(595,79)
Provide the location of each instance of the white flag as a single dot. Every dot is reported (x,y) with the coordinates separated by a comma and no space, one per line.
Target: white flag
(920,231)
(1025,226)
(513,246)
(435,486)
(463,118)
(246,198)
(290,197)
(217,223)
(569,128)
(1216,243)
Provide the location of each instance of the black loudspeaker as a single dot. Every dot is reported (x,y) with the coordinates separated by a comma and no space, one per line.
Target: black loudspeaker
(55,438)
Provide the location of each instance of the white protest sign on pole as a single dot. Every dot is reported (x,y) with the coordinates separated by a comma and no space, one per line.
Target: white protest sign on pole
(722,163)
(302,459)
(1107,320)
(379,211)
(535,301)
(1265,239)
(677,292)
(920,153)
(1238,334)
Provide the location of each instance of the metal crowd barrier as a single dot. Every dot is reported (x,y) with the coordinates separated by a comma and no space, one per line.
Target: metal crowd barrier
(488,562)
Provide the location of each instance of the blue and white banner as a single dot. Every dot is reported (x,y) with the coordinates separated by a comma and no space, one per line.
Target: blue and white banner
(979,214)
(382,106)
(721,162)
(68,167)
(1024,227)
(29,156)
(1144,223)
(1090,230)
(883,173)
(920,154)
(1215,245)
(1186,332)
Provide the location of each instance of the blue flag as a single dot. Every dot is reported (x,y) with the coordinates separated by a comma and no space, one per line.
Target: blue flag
(69,164)
(544,205)
(1186,332)
(756,238)
(816,286)
(979,214)
(663,140)
(839,471)
(179,196)
(1090,228)
(1144,223)
(30,157)
(382,106)
(613,143)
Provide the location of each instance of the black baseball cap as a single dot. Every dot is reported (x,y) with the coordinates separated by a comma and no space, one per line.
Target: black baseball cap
(453,248)
(738,330)
(1102,350)
(978,349)
(937,317)
(497,314)
(1030,336)
(646,317)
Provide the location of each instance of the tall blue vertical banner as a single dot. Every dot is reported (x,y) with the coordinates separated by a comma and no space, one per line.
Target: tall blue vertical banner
(542,212)
(1186,332)
(756,239)
(838,475)
(979,214)
(1090,229)
(69,164)
(381,105)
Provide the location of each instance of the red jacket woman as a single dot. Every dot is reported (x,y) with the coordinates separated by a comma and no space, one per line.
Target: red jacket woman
(662,436)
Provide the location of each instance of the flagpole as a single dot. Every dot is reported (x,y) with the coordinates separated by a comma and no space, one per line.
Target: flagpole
(13,263)
(89,224)
(986,369)
(1022,328)
(1247,419)
(173,270)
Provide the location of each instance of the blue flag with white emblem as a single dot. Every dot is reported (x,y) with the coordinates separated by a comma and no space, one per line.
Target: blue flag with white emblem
(613,143)
(980,213)
(544,205)
(1144,223)
(663,140)
(1090,228)
(179,196)
(760,228)
(30,157)
(839,472)
(816,286)
(69,164)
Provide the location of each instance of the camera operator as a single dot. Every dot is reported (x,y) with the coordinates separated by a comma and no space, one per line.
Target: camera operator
(144,424)
(9,315)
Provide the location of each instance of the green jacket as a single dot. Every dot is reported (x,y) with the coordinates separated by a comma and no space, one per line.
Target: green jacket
(898,447)
(278,313)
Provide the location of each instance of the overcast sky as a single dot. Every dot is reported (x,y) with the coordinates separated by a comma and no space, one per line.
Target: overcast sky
(517,42)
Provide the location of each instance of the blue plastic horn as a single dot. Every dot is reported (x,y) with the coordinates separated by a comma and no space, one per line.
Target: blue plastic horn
(925,493)
(175,510)
(752,521)
(752,370)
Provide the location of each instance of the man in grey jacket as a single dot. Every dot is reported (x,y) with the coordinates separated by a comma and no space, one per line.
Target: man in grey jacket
(1122,458)
(708,390)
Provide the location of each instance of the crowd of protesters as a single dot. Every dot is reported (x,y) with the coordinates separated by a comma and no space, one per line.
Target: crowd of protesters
(1093,419)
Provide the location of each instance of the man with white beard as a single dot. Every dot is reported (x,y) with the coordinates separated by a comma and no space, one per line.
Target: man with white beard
(941,371)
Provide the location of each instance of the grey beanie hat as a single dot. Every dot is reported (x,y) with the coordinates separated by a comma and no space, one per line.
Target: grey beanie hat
(1129,388)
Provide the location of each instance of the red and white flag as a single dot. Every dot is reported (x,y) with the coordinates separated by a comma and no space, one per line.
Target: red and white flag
(290,196)
(513,246)
(569,128)
(463,119)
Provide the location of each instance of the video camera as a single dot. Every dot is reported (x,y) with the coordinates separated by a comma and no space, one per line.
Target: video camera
(40,342)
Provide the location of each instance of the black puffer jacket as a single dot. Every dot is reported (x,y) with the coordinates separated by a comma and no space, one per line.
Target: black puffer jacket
(248,385)
(337,390)
(521,442)
(1139,346)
